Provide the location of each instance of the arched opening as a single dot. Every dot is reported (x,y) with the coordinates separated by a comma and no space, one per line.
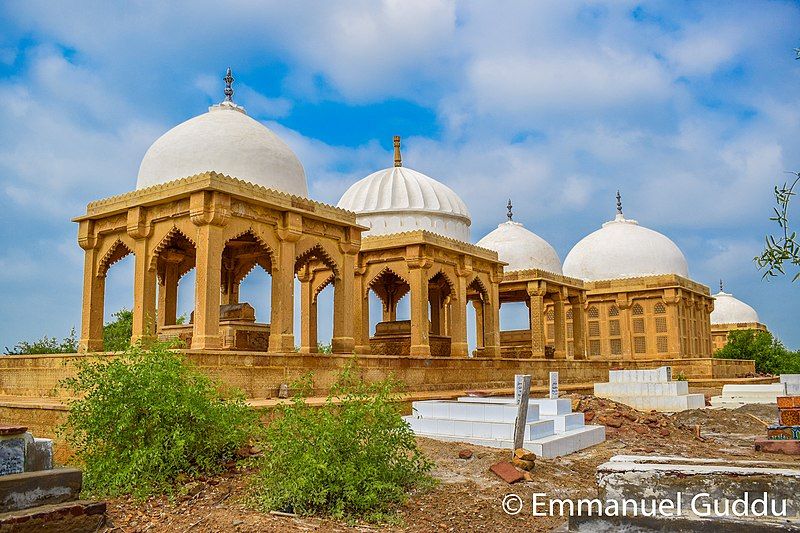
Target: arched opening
(117,293)
(316,271)
(389,313)
(175,256)
(477,304)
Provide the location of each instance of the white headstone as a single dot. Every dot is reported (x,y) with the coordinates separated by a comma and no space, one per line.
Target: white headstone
(553,385)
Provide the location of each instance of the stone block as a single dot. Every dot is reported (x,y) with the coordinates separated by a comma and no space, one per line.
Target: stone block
(507,472)
(789,417)
(783,433)
(12,455)
(788,402)
(80,516)
(31,489)
(12,431)
(787,447)
(792,383)
(39,455)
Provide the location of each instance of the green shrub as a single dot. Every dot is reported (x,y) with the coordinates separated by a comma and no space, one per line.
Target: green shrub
(769,354)
(353,457)
(144,417)
(46,345)
(117,333)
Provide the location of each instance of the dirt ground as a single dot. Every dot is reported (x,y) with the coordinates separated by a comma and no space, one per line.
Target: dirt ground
(468,496)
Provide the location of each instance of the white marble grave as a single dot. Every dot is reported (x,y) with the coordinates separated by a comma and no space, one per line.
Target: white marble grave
(648,390)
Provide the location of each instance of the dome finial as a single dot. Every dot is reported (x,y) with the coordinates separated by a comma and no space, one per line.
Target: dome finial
(228,86)
(398,160)
(619,203)
(510,214)
(721,289)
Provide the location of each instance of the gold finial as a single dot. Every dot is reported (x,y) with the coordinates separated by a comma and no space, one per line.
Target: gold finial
(398,161)
(721,286)
(228,79)
(510,214)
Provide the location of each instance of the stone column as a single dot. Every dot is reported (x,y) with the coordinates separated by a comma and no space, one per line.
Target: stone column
(281,336)
(457,319)
(361,315)
(343,287)
(208,288)
(624,306)
(144,295)
(578,326)
(536,293)
(479,340)
(435,300)
(671,302)
(168,295)
(420,326)
(491,319)
(559,324)
(94,289)
(308,312)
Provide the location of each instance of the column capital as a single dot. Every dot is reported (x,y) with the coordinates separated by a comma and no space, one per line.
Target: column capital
(87,239)
(536,288)
(137,225)
(291,227)
(209,207)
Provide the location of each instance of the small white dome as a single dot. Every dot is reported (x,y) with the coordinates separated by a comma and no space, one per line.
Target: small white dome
(624,249)
(521,249)
(227,141)
(729,310)
(400,199)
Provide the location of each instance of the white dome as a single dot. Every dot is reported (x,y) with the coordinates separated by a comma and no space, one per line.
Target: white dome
(729,310)
(400,199)
(227,141)
(624,249)
(521,249)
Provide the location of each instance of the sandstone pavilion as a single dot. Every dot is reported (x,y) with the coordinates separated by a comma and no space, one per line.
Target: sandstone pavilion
(222,195)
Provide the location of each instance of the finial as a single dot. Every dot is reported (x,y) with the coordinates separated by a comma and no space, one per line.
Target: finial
(228,86)
(720,286)
(619,203)
(510,213)
(398,161)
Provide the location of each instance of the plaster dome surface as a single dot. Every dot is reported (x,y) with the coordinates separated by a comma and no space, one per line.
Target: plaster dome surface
(521,248)
(399,199)
(730,310)
(624,249)
(227,141)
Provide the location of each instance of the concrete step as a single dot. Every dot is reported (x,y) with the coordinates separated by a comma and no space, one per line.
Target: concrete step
(472,411)
(673,388)
(664,404)
(435,427)
(548,407)
(81,516)
(566,422)
(32,489)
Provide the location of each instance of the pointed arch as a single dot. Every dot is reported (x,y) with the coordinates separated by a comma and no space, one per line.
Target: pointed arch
(316,251)
(117,251)
(174,239)
(388,285)
(442,277)
(478,286)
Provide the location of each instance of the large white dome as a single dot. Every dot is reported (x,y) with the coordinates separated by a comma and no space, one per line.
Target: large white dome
(521,249)
(400,199)
(624,249)
(729,310)
(227,141)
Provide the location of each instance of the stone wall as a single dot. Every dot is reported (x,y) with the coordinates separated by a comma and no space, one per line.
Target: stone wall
(260,375)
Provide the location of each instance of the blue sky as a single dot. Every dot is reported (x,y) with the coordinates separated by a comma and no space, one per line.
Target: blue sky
(692,109)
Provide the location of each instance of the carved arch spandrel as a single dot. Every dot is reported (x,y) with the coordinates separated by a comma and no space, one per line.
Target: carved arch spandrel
(112,251)
(173,235)
(378,285)
(316,250)
(264,234)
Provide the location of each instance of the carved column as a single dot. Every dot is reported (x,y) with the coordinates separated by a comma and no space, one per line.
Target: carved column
(209,211)
(144,279)
(577,304)
(94,283)
(418,266)
(435,301)
(361,315)
(672,298)
(536,292)
(457,318)
(281,337)
(491,315)
(343,299)
(308,311)
(479,340)
(168,293)
(559,324)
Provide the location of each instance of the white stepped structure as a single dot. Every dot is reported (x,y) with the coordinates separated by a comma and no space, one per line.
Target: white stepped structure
(551,428)
(792,383)
(737,395)
(648,390)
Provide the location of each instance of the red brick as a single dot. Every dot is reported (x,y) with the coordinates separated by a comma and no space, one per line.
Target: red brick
(12,430)
(788,447)
(465,454)
(506,471)
(789,417)
(788,402)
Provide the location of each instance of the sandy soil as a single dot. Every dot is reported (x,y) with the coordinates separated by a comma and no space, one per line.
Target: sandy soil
(468,496)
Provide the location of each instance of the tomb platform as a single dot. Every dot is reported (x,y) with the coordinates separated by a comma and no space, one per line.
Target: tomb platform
(394,337)
(647,390)
(237,326)
(734,396)
(551,428)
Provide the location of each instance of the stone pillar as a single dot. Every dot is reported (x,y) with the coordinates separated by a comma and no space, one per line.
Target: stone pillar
(560,325)
(361,315)
(420,327)
(144,295)
(491,319)
(308,312)
(94,290)
(208,288)
(479,340)
(343,299)
(281,337)
(435,300)
(168,295)
(389,310)
(456,319)
(536,293)
(671,302)
(578,326)
(624,306)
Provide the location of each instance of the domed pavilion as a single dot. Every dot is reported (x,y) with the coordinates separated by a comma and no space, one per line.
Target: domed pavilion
(731,314)
(641,302)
